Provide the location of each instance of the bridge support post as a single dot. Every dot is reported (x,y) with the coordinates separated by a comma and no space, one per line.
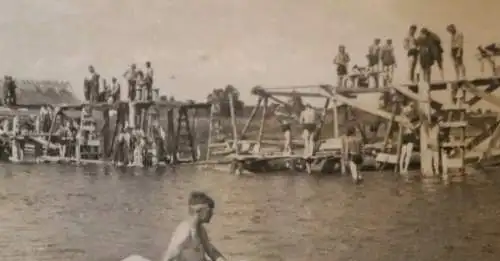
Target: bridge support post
(425,112)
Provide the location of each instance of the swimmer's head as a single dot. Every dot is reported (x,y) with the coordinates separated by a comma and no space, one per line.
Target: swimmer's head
(451,28)
(413,28)
(201,205)
(351,131)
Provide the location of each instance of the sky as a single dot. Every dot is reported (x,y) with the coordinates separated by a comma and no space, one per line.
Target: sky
(196,46)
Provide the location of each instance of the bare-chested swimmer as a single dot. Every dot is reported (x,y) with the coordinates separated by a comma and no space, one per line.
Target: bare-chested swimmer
(308,121)
(190,240)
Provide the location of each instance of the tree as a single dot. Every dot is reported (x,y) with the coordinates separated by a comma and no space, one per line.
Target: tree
(296,103)
(221,97)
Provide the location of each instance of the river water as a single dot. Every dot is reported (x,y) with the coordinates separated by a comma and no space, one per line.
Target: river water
(97,213)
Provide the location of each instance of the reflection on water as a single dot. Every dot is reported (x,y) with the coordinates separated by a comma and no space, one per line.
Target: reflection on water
(94,213)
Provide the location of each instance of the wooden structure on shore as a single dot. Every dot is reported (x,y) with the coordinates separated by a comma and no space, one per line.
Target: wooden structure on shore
(93,145)
(457,147)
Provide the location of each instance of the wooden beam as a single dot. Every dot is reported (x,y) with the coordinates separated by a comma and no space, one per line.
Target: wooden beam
(293,94)
(489,97)
(262,122)
(233,121)
(425,111)
(250,119)
(374,111)
(491,88)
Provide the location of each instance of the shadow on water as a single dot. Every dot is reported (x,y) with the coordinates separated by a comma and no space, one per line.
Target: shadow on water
(102,213)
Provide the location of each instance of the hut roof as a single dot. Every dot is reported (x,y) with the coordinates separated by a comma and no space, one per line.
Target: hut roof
(35,92)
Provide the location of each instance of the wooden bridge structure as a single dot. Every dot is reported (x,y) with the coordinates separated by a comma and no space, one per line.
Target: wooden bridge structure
(176,116)
(459,147)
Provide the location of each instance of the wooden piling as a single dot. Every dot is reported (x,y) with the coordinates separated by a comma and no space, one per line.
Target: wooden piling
(251,118)
(233,123)
(262,122)
(425,112)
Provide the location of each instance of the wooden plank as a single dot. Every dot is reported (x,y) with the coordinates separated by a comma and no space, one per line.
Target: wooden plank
(489,97)
(374,111)
(387,158)
(293,94)
(491,88)
(453,144)
(453,124)
(495,136)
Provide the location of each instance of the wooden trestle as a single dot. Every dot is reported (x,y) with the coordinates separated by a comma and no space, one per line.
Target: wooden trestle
(457,147)
(134,114)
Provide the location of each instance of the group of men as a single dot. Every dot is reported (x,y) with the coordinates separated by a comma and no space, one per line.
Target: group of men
(138,81)
(427,49)
(380,58)
(309,121)
(9,91)
(131,147)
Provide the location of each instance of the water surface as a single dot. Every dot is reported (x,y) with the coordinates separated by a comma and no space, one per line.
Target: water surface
(93,213)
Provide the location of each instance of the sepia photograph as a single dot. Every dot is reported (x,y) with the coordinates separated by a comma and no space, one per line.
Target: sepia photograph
(249,130)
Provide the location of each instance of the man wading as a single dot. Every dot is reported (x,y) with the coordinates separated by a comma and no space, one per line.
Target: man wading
(190,240)
(308,121)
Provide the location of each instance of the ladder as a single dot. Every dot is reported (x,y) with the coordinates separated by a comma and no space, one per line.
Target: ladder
(87,125)
(454,123)
(386,154)
(215,130)
(184,142)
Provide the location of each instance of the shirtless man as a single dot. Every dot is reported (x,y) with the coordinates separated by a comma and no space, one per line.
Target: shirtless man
(342,60)
(488,53)
(352,147)
(457,50)
(308,121)
(92,83)
(190,240)
(149,76)
(409,140)
(131,76)
(410,45)
(434,146)
(374,55)
(388,60)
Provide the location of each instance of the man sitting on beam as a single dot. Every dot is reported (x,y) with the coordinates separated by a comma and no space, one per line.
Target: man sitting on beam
(488,53)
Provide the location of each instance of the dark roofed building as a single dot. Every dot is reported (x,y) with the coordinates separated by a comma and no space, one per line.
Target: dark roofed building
(32,92)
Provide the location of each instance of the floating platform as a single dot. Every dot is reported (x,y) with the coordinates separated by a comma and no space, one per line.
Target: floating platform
(258,163)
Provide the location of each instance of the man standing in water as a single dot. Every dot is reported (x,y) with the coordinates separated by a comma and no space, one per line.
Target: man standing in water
(308,121)
(352,147)
(409,140)
(190,240)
